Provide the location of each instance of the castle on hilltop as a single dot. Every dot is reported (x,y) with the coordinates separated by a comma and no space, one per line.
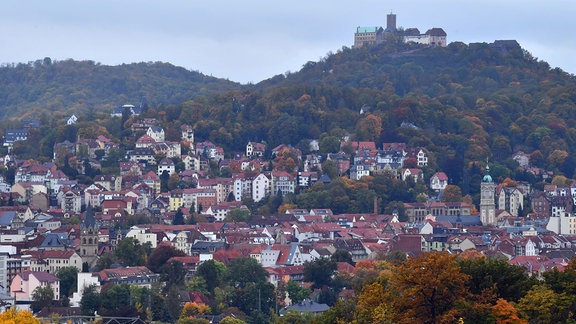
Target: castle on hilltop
(365,36)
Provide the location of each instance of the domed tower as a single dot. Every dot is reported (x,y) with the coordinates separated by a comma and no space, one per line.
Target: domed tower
(89,237)
(487,203)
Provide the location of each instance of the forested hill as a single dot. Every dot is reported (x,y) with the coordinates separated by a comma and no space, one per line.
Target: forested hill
(463,103)
(81,86)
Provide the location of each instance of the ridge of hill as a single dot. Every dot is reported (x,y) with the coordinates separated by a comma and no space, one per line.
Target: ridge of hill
(81,87)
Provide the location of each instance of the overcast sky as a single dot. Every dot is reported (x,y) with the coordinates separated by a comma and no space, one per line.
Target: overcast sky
(248,41)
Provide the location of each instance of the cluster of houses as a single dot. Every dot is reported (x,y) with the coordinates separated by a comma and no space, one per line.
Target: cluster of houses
(39,234)
(32,255)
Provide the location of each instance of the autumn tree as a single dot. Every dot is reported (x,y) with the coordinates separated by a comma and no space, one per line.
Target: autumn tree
(193,309)
(14,315)
(505,313)
(542,305)
(373,305)
(562,181)
(556,158)
(427,288)
(452,193)
(369,128)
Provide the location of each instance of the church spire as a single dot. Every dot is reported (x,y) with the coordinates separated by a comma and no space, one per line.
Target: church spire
(89,219)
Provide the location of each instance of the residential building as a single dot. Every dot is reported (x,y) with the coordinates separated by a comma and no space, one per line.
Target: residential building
(254,149)
(157,133)
(140,276)
(357,171)
(438,181)
(510,199)
(24,284)
(187,133)
(283,182)
(167,165)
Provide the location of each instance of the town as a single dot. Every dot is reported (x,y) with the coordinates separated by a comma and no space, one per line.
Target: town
(197,204)
(402,180)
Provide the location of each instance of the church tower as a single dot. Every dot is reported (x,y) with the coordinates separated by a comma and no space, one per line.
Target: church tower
(89,237)
(487,202)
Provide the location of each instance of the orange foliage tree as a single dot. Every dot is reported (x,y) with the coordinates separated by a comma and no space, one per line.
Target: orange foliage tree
(506,313)
(427,289)
(192,309)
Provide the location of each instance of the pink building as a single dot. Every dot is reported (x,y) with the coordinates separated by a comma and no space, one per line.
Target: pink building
(24,283)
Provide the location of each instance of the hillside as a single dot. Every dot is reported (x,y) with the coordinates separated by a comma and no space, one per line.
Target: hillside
(80,87)
(464,103)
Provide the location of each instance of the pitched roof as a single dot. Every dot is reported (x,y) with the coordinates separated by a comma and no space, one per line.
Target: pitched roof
(40,275)
(436,32)
(441,176)
(120,273)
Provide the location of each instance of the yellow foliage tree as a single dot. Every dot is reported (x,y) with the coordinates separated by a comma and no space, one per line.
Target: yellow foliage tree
(284,207)
(373,306)
(192,309)
(542,305)
(15,316)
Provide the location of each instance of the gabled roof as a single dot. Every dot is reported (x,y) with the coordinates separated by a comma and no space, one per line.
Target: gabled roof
(441,176)
(156,129)
(145,139)
(436,32)
(40,275)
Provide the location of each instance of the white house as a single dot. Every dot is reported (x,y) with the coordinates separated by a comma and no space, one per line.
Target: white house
(166,164)
(142,235)
(438,181)
(156,132)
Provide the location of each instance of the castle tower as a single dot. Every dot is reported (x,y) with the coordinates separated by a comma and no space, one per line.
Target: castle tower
(487,203)
(89,237)
(391,22)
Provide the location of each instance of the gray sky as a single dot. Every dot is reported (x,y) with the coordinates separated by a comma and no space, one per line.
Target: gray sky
(248,41)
